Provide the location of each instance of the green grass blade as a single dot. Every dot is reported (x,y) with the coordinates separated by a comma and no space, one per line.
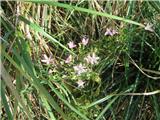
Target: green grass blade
(99,101)
(41,31)
(106,98)
(4,102)
(71,7)
(106,108)
(155,103)
(34,81)
(49,110)
(6,77)
(68,104)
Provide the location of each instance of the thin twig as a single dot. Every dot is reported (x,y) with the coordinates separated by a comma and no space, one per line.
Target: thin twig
(132,61)
(146,94)
(151,71)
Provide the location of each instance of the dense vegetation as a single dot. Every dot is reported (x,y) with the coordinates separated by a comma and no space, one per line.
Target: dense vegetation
(80,60)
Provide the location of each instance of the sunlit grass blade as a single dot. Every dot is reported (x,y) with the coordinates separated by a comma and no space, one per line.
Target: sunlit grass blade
(107,98)
(71,7)
(127,69)
(98,101)
(49,110)
(34,80)
(41,31)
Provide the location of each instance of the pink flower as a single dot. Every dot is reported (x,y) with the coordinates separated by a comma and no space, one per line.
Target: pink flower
(69,59)
(114,32)
(71,44)
(79,69)
(110,32)
(92,59)
(80,83)
(48,60)
(85,40)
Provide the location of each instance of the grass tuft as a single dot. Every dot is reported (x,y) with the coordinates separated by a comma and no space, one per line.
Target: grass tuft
(80,60)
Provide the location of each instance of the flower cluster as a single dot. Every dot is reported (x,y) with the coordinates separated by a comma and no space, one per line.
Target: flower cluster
(84,41)
(80,69)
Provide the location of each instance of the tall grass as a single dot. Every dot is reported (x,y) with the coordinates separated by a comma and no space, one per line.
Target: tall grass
(39,83)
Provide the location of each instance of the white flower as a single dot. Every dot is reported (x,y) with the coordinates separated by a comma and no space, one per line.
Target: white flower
(71,44)
(92,59)
(80,83)
(79,69)
(47,60)
(50,71)
(149,27)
